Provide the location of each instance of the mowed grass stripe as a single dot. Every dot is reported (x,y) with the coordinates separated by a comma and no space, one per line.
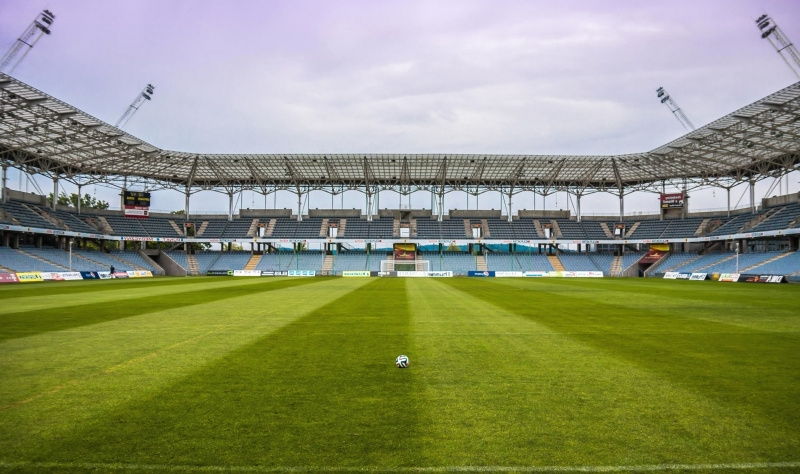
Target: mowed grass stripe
(53,382)
(17,298)
(733,306)
(322,390)
(23,323)
(746,385)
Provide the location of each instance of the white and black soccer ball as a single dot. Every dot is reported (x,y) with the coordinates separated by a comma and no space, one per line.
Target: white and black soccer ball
(401,362)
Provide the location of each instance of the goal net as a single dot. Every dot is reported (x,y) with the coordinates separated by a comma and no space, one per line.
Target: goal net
(405,266)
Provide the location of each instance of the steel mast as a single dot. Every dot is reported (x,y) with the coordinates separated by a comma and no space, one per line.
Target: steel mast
(772,33)
(146,94)
(675,109)
(38,28)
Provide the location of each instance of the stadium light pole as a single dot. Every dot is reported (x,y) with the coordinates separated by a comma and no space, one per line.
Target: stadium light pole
(28,39)
(675,109)
(782,44)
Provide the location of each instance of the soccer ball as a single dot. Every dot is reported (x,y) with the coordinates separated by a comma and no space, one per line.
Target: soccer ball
(401,362)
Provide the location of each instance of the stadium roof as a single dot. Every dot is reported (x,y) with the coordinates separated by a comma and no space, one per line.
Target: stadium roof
(42,134)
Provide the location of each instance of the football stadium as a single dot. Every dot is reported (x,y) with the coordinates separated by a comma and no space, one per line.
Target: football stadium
(397,338)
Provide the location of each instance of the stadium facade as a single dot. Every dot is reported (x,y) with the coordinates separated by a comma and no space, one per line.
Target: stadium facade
(42,135)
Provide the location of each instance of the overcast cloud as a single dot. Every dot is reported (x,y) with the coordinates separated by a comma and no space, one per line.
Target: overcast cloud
(460,76)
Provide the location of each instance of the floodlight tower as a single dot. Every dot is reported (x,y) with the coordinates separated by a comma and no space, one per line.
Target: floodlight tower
(676,111)
(772,33)
(38,28)
(146,94)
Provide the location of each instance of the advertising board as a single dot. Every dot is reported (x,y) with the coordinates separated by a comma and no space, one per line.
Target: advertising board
(247,273)
(729,277)
(120,274)
(90,275)
(508,274)
(480,273)
(8,278)
(535,274)
(671,200)
(698,276)
(269,273)
(302,273)
(28,277)
(220,273)
(355,273)
(446,274)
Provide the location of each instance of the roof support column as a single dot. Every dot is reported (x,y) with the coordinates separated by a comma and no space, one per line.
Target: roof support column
(621,206)
(186,208)
(369,206)
(230,206)
(299,205)
(510,194)
(55,192)
(685,199)
(441,207)
(578,205)
(79,198)
(3,189)
(752,196)
(729,202)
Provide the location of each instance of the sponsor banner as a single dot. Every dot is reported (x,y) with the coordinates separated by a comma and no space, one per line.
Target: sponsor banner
(267,273)
(405,251)
(588,274)
(90,275)
(8,278)
(771,279)
(747,278)
(247,273)
(27,277)
(120,274)
(535,274)
(480,273)
(698,276)
(671,275)
(104,275)
(144,274)
(660,247)
(61,276)
(446,274)
(220,273)
(385,274)
(653,255)
(729,277)
(138,212)
(356,273)
(671,200)
(302,273)
(508,274)
(684,276)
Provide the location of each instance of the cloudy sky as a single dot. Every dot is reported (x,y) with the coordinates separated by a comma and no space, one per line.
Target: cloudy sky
(369,76)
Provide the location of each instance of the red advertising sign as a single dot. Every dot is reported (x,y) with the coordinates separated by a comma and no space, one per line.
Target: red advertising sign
(8,278)
(671,200)
(138,212)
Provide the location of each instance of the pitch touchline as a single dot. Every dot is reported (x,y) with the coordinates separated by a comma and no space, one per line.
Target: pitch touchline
(207,468)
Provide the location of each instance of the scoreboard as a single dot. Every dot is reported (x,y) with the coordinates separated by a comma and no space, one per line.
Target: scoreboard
(136,204)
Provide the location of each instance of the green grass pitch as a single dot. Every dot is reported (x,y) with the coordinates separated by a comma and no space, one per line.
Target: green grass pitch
(297,374)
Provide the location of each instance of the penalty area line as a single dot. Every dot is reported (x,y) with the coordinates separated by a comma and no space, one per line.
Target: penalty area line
(210,468)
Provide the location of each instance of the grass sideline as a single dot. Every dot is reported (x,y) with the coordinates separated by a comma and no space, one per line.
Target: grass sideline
(286,374)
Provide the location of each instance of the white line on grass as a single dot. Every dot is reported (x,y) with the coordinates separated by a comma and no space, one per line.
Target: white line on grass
(207,468)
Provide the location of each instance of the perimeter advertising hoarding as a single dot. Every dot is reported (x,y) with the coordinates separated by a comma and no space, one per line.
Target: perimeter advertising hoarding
(729,277)
(247,273)
(446,274)
(93,275)
(28,277)
(356,273)
(61,276)
(8,278)
(405,251)
(698,276)
(480,273)
(267,273)
(222,273)
(673,200)
(302,273)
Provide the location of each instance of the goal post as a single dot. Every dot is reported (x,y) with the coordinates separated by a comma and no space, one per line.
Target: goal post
(405,266)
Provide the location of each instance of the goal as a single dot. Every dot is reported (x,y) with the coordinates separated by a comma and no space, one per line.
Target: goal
(405,266)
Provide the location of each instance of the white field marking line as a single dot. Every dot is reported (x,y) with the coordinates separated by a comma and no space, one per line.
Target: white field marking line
(208,468)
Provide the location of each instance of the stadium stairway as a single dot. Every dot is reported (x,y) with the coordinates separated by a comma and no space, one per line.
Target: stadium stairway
(480,263)
(616,266)
(327,265)
(606,230)
(556,263)
(194,268)
(699,270)
(538,226)
(251,264)
(175,226)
